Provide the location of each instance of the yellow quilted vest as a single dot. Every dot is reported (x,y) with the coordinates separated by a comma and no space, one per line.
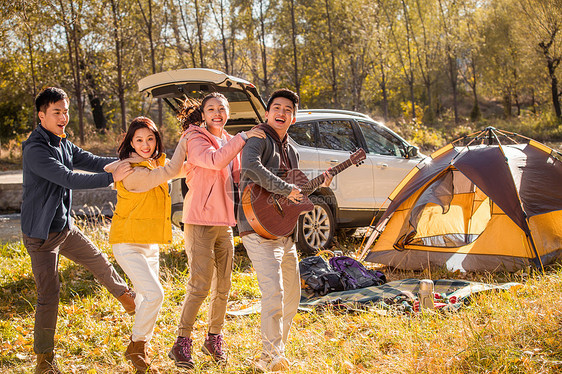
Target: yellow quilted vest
(142,217)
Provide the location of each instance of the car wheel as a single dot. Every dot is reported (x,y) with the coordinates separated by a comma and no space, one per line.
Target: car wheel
(316,228)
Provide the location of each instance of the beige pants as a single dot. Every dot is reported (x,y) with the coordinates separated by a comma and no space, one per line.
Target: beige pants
(277,268)
(210,252)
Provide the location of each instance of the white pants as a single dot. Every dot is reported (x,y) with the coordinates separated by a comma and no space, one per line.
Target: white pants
(140,263)
(277,268)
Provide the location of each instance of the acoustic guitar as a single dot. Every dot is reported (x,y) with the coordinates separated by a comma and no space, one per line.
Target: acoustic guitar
(272,215)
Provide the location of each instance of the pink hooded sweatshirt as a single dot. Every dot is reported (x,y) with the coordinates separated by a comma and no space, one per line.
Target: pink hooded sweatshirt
(209,200)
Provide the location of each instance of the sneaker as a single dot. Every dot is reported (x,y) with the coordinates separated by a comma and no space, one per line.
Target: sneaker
(127,299)
(213,348)
(181,353)
(266,364)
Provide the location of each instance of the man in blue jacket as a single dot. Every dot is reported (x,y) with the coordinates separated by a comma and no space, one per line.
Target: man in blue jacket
(49,159)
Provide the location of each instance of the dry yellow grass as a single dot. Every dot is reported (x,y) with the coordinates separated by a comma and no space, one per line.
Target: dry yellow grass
(514,331)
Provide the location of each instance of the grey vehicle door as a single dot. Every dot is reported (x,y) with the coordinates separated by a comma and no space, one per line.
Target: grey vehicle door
(354,188)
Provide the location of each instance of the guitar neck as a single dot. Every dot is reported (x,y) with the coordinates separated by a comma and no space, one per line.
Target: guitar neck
(313,184)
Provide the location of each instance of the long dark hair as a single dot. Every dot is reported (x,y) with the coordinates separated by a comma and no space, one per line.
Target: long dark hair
(191,112)
(125,148)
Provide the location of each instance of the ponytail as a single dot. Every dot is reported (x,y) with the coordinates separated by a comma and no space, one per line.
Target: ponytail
(191,112)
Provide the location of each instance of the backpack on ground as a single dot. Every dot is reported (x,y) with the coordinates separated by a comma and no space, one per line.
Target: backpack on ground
(319,277)
(354,274)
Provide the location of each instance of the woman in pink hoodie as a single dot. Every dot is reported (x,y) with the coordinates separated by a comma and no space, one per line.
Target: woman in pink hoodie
(213,170)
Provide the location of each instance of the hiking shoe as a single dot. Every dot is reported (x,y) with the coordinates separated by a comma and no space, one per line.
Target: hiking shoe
(136,353)
(213,348)
(267,364)
(127,299)
(181,353)
(47,364)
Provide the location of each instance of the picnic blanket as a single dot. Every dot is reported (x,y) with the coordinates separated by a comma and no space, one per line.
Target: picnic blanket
(461,290)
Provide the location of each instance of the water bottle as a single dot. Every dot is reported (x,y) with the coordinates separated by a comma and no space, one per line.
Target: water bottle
(425,294)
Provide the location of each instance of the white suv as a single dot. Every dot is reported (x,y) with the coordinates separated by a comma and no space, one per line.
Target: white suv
(323,138)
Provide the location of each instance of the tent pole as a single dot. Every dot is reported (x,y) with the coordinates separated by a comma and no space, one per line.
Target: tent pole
(532,241)
(529,234)
(371,226)
(369,242)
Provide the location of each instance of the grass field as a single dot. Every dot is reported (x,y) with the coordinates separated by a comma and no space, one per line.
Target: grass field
(516,331)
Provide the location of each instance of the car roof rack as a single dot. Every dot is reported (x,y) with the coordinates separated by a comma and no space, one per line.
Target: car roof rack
(335,111)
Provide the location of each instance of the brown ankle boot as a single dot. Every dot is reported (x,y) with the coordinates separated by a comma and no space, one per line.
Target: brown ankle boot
(47,364)
(136,353)
(127,299)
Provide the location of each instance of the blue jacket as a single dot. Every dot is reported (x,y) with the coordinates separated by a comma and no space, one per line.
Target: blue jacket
(48,176)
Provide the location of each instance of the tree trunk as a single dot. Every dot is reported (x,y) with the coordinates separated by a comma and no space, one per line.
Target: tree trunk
(384,92)
(549,22)
(425,67)
(119,59)
(29,40)
(475,114)
(355,82)
(552,65)
(97,112)
(407,70)
(335,98)
(409,78)
(220,22)
(79,97)
(148,21)
(507,104)
(263,50)
(95,103)
(453,80)
(412,97)
(72,40)
(187,37)
(452,63)
(533,101)
(294,40)
(199,33)
(32,67)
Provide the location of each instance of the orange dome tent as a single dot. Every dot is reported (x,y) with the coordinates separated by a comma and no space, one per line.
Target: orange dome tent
(491,204)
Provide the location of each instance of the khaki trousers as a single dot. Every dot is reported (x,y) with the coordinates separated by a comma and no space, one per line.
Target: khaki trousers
(210,252)
(74,245)
(276,265)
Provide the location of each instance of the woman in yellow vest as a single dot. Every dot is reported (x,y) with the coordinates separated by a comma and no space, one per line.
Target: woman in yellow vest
(140,222)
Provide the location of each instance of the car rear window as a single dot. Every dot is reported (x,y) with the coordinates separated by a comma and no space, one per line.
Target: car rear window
(337,135)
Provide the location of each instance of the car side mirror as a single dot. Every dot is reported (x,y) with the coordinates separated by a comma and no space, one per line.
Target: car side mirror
(411,151)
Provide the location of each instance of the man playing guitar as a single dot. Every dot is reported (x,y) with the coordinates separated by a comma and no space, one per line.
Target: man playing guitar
(265,162)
